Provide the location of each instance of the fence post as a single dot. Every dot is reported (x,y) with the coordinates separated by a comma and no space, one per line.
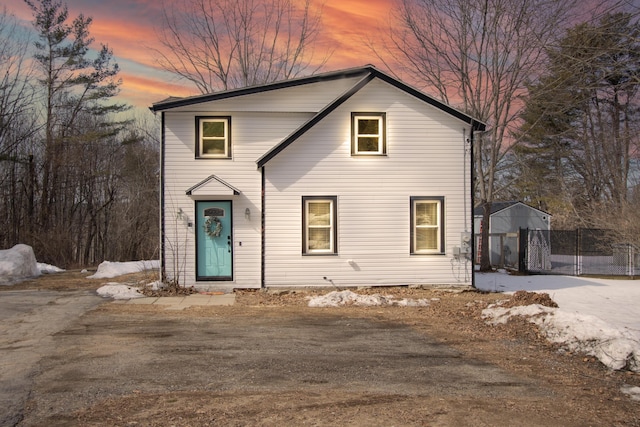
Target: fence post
(578,268)
(523,238)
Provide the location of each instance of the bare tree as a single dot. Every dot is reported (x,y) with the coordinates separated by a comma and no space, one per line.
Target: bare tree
(478,55)
(16,90)
(581,121)
(77,182)
(17,126)
(224,44)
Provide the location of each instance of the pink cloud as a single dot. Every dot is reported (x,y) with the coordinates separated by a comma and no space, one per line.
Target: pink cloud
(143,91)
(127,27)
(349,26)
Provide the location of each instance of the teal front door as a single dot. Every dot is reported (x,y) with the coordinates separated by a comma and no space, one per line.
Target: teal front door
(214,245)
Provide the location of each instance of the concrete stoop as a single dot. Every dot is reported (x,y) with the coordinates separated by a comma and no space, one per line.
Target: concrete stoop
(182,302)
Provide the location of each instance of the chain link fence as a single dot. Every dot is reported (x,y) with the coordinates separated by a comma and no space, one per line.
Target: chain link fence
(584,251)
(578,252)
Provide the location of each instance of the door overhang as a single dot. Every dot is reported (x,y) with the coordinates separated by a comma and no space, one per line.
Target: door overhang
(212,186)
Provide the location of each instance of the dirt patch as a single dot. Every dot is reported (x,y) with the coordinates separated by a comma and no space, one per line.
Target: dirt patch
(523,298)
(73,280)
(572,389)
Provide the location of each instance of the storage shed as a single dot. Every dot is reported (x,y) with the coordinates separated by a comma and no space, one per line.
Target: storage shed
(505,221)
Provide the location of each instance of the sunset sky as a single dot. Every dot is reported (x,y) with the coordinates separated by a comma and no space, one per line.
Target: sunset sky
(128,28)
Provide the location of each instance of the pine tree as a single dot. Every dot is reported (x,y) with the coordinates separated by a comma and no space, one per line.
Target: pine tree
(78,85)
(581,118)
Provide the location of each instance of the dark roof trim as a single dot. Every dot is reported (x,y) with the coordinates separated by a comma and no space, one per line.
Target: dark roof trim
(173,102)
(475,124)
(500,206)
(372,73)
(314,120)
(209,178)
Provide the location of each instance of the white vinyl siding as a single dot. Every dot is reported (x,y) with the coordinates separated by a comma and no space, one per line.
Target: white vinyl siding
(253,134)
(306,98)
(425,158)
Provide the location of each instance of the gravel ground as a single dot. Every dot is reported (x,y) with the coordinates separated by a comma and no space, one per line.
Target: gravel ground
(272,360)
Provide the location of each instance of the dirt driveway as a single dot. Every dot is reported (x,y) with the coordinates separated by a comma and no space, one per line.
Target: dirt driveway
(271,360)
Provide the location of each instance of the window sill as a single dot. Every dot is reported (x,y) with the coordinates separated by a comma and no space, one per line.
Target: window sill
(319,254)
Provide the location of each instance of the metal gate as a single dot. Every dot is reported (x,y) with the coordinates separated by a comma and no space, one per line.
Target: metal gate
(583,251)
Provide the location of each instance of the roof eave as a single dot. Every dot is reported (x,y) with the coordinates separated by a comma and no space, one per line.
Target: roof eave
(476,124)
(170,103)
(314,120)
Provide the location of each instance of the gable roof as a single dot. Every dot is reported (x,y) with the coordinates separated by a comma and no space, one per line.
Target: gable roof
(500,206)
(366,74)
(312,121)
(173,102)
(212,186)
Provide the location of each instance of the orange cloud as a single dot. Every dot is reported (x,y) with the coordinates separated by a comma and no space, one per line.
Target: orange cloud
(143,91)
(348,28)
(126,40)
(128,28)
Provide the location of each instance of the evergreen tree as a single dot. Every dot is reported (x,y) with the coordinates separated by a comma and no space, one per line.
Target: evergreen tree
(581,119)
(78,170)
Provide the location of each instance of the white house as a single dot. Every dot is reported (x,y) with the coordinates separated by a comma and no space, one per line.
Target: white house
(348,178)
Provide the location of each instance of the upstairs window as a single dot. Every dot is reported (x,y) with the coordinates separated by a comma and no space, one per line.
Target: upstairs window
(213,137)
(368,136)
(319,225)
(427,230)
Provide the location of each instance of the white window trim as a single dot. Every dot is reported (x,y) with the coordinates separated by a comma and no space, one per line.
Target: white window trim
(381,135)
(439,201)
(226,138)
(332,250)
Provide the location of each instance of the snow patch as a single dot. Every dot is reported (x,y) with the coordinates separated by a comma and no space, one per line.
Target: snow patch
(119,291)
(633,392)
(17,263)
(588,319)
(340,298)
(109,269)
(48,268)
(500,315)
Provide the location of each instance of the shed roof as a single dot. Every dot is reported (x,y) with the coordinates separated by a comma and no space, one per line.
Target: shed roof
(500,206)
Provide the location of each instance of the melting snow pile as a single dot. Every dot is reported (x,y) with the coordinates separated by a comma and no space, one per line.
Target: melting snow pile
(17,263)
(338,298)
(633,392)
(108,269)
(614,347)
(119,291)
(49,269)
